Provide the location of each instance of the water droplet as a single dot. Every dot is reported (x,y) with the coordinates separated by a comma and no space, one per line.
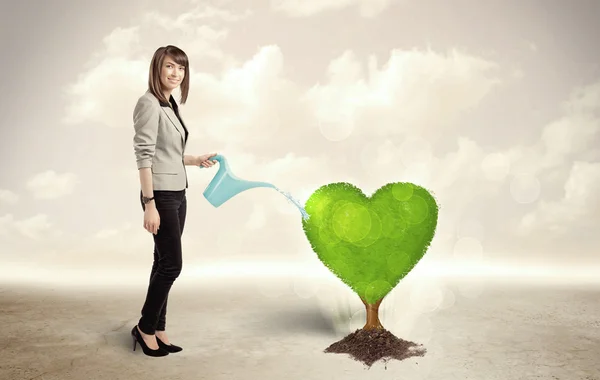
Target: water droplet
(295,202)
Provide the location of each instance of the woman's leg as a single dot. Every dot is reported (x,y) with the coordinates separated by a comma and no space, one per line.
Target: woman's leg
(161,326)
(163,312)
(162,320)
(168,268)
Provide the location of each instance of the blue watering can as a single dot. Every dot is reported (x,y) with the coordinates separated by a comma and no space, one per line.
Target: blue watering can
(225,185)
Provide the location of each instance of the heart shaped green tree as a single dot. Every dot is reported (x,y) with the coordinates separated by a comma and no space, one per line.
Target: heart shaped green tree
(371,243)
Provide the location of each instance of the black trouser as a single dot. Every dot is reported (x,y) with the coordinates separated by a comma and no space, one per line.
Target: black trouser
(171,206)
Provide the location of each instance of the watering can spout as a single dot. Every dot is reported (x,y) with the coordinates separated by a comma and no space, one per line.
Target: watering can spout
(225,185)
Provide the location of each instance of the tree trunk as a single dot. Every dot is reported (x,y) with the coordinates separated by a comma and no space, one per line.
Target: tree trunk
(372,315)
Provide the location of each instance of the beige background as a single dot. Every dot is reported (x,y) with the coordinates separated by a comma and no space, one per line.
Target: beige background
(493,106)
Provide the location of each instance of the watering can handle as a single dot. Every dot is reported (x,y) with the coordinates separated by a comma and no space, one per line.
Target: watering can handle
(218,157)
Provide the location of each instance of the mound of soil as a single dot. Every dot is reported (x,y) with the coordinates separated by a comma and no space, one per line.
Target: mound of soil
(369,346)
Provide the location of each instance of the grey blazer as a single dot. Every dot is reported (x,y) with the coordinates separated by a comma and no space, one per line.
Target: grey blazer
(159,142)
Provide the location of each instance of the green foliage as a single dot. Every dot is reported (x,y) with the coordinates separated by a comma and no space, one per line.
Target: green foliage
(371,243)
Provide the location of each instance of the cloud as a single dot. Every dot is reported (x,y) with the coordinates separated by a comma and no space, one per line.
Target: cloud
(120,41)
(579,207)
(93,99)
(201,13)
(249,105)
(200,40)
(305,8)
(573,136)
(559,175)
(8,197)
(109,233)
(128,241)
(124,61)
(35,227)
(252,105)
(51,185)
(415,89)
(245,104)
(37,241)
(6,223)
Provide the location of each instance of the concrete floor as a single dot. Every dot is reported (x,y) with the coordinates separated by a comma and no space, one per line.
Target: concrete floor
(278,330)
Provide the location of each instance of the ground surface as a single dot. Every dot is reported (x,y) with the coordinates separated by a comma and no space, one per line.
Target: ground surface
(509,333)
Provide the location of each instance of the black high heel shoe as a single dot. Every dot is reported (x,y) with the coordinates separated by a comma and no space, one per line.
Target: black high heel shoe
(137,338)
(168,347)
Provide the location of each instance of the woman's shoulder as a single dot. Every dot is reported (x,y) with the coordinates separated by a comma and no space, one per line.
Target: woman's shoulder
(148,97)
(147,102)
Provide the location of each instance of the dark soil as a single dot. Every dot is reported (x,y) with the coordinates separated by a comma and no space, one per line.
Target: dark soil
(369,346)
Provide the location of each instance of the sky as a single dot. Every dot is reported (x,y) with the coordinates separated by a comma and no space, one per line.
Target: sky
(492,106)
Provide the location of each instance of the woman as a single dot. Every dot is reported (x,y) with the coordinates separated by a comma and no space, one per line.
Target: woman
(159,145)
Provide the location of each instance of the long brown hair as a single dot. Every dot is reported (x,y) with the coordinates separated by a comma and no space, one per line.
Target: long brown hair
(154,84)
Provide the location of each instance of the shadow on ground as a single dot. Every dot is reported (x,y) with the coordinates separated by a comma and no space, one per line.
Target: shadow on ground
(306,320)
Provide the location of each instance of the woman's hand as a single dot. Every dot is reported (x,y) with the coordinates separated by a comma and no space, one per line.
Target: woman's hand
(151,219)
(205,160)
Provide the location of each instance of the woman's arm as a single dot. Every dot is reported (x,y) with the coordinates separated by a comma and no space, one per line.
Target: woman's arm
(190,160)
(145,123)
(146,183)
(203,160)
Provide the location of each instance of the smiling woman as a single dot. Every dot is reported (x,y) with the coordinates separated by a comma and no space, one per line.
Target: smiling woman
(159,145)
(168,70)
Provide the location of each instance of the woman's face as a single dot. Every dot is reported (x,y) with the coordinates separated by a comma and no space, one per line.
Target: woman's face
(171,74)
